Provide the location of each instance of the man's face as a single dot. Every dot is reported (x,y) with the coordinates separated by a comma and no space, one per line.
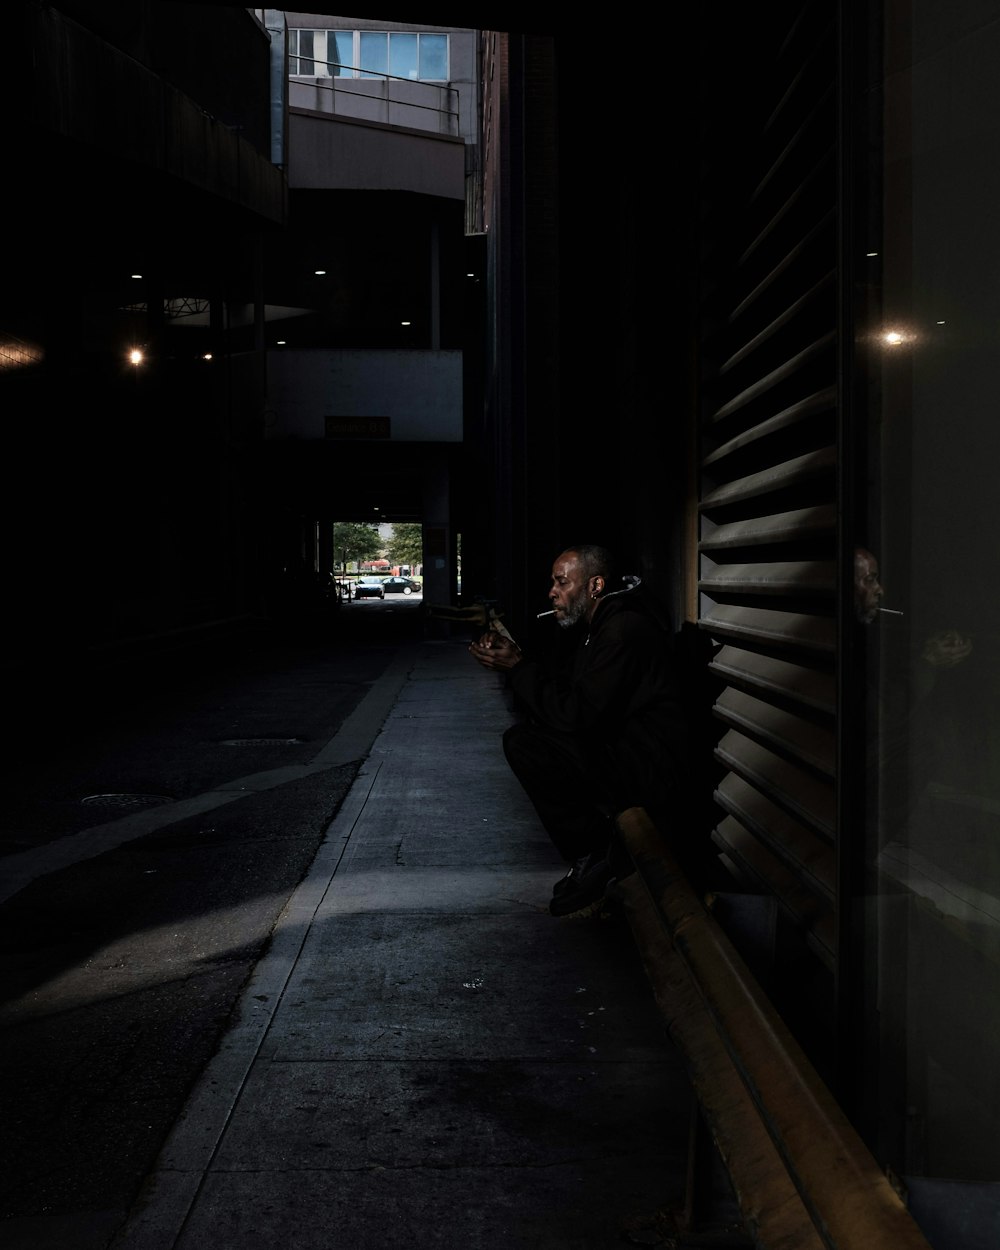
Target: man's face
(571,593)
(867,588)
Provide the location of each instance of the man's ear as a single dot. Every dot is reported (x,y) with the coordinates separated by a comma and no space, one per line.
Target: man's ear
(597,586)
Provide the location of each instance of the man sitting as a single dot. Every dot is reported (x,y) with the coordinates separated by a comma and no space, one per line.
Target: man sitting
(607,735)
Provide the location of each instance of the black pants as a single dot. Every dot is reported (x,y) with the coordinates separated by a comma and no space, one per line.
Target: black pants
(570,788)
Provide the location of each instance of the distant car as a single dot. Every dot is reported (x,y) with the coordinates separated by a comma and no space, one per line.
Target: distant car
(399,585)
(369,588)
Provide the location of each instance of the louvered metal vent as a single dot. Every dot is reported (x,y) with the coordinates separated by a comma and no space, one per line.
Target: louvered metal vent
(768,493)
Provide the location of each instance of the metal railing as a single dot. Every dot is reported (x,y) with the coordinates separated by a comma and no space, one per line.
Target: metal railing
(399,107)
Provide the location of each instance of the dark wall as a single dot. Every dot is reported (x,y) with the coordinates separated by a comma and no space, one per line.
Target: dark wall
(128,501)
(591,398)
(216,54)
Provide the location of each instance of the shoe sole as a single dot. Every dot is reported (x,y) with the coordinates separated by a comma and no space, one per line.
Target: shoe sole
(589,911)
(572,904)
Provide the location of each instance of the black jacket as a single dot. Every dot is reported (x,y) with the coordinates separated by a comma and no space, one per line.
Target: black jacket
(621,699)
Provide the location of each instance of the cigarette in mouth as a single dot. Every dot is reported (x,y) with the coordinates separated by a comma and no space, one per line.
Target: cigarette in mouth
(892,611)
(552,612)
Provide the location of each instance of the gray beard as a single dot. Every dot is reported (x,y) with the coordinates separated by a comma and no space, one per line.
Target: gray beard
(572,615)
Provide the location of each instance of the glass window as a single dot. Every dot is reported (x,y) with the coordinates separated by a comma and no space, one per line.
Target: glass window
(374,57)
(301,48)
(403,55)
(928,628)
(434,57)
(399,53)
(340,53)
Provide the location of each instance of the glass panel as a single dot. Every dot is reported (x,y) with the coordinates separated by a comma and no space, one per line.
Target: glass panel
(403,55)
(301,44)
(929,628)
(340,52)
(434,57)
(374,53)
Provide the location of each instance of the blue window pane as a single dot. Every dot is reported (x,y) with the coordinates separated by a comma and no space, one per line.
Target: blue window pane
(403,55)
(340,52)
(434,56)
(374,53)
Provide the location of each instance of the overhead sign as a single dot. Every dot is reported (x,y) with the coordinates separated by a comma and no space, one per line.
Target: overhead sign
(357,427)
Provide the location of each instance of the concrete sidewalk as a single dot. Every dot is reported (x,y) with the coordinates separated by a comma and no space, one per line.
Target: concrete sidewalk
(425,1057)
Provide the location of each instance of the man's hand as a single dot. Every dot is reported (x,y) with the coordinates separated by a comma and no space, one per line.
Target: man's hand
(492,650)
(947,648)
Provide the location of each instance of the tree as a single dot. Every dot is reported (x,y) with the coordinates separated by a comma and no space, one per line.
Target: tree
(355,541)
(406,545)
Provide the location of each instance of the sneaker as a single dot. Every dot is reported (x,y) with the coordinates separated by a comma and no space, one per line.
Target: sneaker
(583,885)
(572,877)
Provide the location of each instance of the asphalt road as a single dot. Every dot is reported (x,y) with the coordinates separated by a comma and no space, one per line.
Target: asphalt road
(119,970)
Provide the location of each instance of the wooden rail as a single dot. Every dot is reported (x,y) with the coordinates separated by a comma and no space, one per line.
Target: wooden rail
(802,1176)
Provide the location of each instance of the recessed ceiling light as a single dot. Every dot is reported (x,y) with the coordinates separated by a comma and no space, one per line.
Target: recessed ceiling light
(319,272)
(405,323)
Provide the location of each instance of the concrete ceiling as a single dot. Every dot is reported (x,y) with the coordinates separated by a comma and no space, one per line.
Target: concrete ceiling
(537,20)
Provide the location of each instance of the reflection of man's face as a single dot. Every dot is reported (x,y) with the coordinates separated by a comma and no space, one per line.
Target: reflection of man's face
(867,588)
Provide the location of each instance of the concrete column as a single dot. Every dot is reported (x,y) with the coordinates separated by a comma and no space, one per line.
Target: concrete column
(439,569)
(435,287)
(325,556)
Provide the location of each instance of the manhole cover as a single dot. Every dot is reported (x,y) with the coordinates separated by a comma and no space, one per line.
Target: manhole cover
(125,800)
(262,742)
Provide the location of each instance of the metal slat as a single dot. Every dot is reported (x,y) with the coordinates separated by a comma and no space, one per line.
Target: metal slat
(823,165)
(805,73)
(795,472)
(783,265)
(776,376)
(821,402)
(808,578)
(768,628)
(806,909)
(777,681)
(800,525)
(793,142)
(780,730)
(778,323)
(769,522)
(808,798)
(800,849)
